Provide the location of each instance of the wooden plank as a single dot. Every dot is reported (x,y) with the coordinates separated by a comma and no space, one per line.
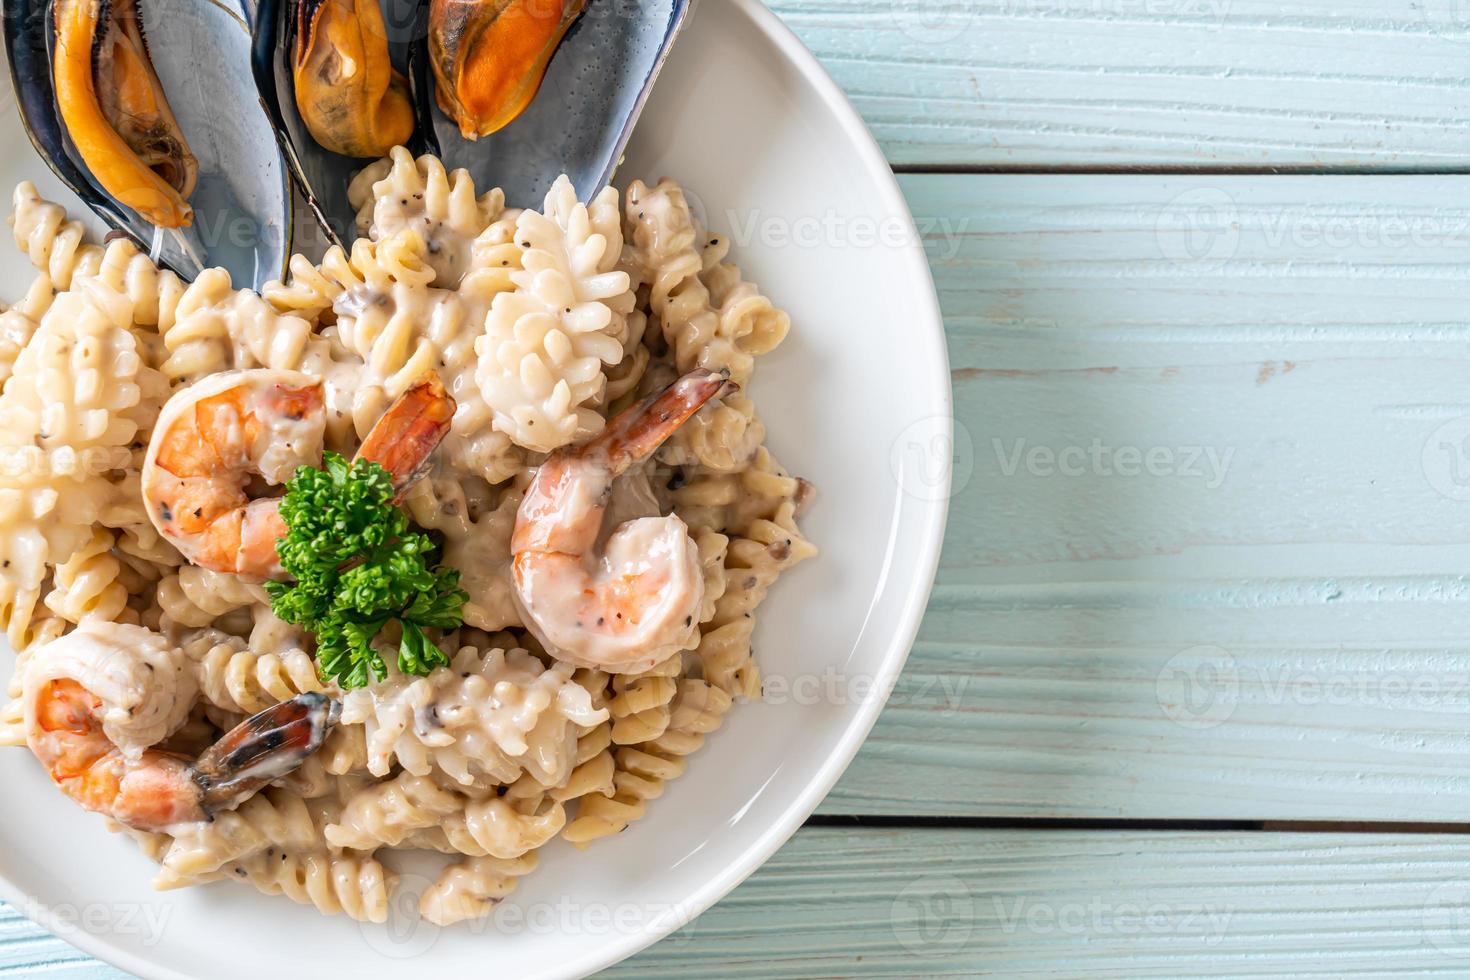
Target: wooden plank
(1283,641)
(1180,83)
(1098,904)
(28,951)
(862,902)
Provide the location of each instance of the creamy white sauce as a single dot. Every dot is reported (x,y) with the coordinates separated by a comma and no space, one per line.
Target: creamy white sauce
(496,713)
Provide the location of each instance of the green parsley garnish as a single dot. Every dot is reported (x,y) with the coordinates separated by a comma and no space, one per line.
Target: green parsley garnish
(357,567)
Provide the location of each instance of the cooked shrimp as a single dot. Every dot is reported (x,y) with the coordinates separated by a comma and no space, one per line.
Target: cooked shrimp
(214,436)
(633,605)
(99,697)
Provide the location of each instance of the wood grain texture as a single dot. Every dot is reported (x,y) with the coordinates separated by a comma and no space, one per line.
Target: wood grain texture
(1280,637)
(28,951)
(1182,83)
(1028,903)
(838,902)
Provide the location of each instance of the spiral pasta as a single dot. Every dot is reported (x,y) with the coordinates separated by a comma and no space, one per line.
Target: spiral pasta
(472,887)
(55,245)
(86,584)
(243,679)
(334,884)
(66,421)
(419,811)
(195,596)
(269,821)
(12,722)
(217,327)
(450,721)
(18,324)
(642,770)
(545,344)
(768,547)
(722,330)
(384,814)
(723,438)
(541,324)
(402,193)
(639,703)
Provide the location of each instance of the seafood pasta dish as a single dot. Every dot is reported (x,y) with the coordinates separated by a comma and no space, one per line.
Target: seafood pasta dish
(451,541)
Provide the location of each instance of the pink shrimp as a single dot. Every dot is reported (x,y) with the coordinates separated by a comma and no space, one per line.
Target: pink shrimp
(634,604)
(214,436)
(96,687)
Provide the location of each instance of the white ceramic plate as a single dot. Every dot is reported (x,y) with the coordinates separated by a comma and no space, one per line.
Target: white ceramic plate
(858,400)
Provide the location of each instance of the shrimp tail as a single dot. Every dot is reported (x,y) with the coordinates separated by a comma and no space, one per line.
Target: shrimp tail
(404,439)
(262,749)
(634,433)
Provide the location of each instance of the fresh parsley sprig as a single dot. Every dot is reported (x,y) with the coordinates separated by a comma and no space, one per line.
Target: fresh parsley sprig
(357,567)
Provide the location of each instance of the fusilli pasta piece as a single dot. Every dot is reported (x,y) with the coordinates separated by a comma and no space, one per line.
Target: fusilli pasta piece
(217,328)
(471,888)
(639,704)
(55,244)
(12,722)
(542,356)
(354,884)
(400,193)
(642,770)
(752,565)
(86,585)
(195,596)
(237,678)
(493,712)
(65,428)
(270,820)
(717,332)
(722,437)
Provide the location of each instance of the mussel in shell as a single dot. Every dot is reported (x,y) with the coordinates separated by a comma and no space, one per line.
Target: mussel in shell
(590,94)
(489,56)
(515,91)
(145,110)
(350,97)
(116,112)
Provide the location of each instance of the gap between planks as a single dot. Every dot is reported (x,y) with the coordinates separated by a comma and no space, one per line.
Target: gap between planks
(1044,824)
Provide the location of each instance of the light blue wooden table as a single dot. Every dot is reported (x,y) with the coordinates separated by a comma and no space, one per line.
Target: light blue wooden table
(1192,694)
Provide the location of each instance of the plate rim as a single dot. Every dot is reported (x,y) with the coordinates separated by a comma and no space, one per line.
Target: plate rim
(931,517)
